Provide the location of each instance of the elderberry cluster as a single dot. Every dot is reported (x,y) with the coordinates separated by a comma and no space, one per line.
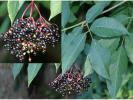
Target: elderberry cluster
(71,83)
(26,37)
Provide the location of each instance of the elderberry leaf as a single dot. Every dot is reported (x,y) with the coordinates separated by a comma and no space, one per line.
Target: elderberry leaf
(72,47)
(108,27)
(86,49)
(66,12)
(33,69)
(117,69)
(87,67)
(129,46)
(123,18)
(99,59)
(96,10)
(16,68)
(13,8)
(72,17)
(4,25)
(111,44)
(68,38)
(3,9)
(55,7)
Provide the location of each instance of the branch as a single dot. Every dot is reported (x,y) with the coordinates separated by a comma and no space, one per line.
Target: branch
(115,6)
(73,26)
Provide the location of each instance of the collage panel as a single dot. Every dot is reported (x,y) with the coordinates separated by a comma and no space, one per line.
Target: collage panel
(29,32)
(97,44)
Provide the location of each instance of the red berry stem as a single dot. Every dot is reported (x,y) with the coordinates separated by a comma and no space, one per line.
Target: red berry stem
(41,15)
(32,8)
(45,20)
(26,10)
(37,10)
(33,5)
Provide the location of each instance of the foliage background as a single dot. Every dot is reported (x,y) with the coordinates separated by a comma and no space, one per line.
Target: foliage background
(97,37)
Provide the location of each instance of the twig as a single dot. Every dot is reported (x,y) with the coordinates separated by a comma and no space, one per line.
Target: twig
(115,6)
(89,31)
(81,23)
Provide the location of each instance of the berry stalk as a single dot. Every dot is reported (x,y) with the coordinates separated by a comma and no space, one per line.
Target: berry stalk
(26,10)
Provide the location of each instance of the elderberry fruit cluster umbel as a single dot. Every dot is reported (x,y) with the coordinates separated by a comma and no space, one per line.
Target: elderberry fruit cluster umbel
(27,36)
(71,83)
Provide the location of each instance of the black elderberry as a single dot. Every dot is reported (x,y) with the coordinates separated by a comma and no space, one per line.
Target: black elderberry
(27,36)
(71,83)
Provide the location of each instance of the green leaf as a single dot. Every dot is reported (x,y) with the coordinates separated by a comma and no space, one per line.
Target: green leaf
(111,44)
(16,68)
(57,65)
(86,49)
(75,8)
(87,67)
(67,39)
(130,94)
(3,9)
(108,27)
(100,59)
(130,82)
(33,69)
(4,25)
(71,48)
(55,7)
(129,46)
(124,9)
(65,13)
(72,17)
(124,19)
(13,8)
(96,10)
(117,69)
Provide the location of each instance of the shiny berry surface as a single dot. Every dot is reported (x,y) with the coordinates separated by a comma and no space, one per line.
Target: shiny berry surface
(26,37)
(71,83)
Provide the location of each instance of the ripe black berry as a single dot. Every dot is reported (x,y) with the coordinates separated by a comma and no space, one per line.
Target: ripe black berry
(71,83)
(27,36)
